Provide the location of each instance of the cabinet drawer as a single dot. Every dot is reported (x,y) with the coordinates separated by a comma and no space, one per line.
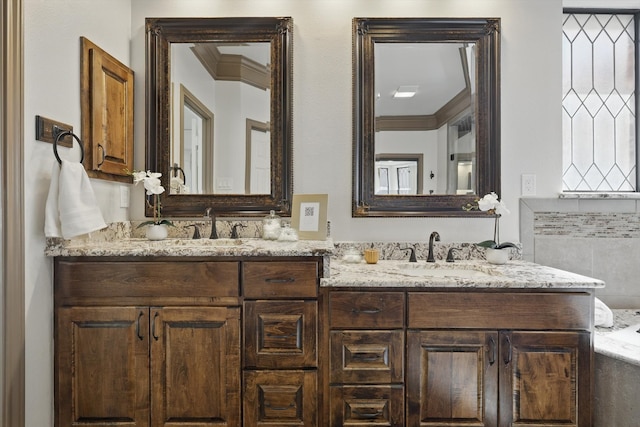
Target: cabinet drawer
(367,357)
(370,310)
(280,334)
(367,405)
(280,279)
(504,310)
(188,279)
(278,398)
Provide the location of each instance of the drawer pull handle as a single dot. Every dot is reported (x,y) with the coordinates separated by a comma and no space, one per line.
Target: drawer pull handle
(366,311)
(279,408)
(366,358)
(153,331)
(281,336)
(140,337)
(367,415)
(492,351)
(280,280)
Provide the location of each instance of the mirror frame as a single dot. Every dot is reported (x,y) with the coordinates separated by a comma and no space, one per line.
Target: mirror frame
(485,33)
(160,33)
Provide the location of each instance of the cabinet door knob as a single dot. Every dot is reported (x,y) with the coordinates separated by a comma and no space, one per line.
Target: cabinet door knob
(492,350)
(140,337)
(153,330)
(104,154)
(509,350)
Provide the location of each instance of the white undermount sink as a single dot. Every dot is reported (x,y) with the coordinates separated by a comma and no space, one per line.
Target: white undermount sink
(439,270)
(202,242)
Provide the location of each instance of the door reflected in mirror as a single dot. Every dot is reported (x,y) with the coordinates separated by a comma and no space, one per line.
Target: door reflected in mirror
(232,80)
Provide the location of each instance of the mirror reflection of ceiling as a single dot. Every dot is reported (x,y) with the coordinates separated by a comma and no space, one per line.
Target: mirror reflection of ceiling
(434,69)
(246,62)
(232,80)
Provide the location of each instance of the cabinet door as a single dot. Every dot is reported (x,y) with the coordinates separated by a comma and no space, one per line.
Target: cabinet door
(102,366)
(107,112)
(195,366)
(456,380)
(539,379)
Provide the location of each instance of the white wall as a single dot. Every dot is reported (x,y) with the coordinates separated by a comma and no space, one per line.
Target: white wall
(322,121)
(322,97)
(52,30)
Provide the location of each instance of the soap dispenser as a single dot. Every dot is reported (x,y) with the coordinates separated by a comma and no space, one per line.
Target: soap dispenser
(271,226)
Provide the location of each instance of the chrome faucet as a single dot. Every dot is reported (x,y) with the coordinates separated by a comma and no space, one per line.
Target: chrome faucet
(209,213)
(434,236)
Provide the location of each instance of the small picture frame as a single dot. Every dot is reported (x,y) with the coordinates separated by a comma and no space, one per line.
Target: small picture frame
(309,216)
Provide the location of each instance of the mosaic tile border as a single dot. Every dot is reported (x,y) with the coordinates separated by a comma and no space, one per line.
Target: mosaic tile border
(587,224)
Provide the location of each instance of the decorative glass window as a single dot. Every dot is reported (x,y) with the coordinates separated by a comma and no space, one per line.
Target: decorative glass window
(599,101)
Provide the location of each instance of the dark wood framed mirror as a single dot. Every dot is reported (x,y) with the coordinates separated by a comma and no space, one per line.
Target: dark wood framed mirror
(237,70)
(429,86)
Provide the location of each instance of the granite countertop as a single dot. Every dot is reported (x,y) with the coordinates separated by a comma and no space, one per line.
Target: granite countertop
(181,247)
(461,274)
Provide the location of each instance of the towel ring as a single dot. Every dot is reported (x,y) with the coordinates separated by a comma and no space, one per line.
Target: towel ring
(175,170)
(60,134)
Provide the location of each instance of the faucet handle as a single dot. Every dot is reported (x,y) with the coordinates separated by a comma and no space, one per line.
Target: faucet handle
(196,231)
(234,230)
(412,256)
(450,257)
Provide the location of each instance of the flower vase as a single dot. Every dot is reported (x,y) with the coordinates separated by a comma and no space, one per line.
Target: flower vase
(157,232)
(497,256)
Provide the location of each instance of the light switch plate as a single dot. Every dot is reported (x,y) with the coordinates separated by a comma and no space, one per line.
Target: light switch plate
(124,196)
(528,184)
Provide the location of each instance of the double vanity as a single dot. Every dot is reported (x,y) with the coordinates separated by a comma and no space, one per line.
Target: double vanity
(250,332)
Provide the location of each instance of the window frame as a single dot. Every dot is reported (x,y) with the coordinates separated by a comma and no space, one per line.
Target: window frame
(636,22)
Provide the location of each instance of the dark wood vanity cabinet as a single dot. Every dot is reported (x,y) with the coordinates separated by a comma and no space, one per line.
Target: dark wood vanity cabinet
(114,364)
(366,358)
(499,358)
(280,343)
(485,358)
(143,341)
(254,341)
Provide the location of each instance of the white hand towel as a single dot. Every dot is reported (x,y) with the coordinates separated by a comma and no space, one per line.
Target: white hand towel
(75,210)
(52,226)
(603,314)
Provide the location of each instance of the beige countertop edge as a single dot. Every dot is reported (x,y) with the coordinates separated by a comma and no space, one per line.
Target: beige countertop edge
(513,274)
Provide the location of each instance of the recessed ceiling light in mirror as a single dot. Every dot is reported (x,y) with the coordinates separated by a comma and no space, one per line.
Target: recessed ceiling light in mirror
(405,92)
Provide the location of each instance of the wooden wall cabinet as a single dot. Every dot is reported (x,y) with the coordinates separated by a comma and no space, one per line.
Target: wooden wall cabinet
(107,114)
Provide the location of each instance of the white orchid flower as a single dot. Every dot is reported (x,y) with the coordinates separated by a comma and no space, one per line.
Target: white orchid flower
(501,208)
(152,185)
(139,176)
(488,202)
